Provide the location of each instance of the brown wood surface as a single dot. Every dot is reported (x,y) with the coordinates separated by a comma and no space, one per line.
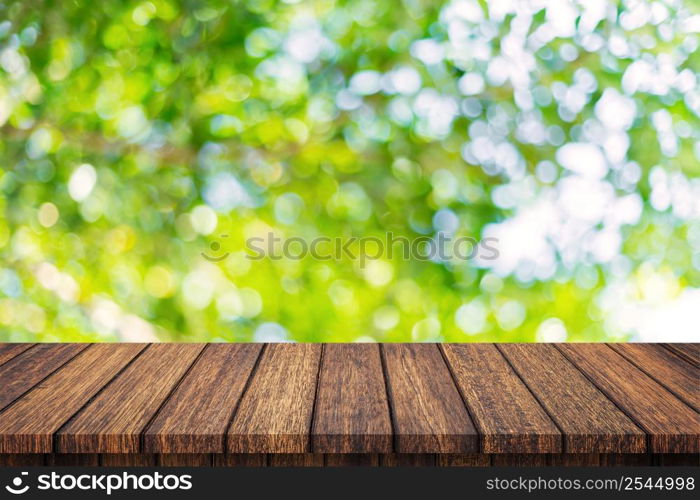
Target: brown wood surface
(28,426)
(197,415)
(690,352)
(350,459)
(26,370)
(672,426)
(114,420)
(352,409)
(509,418)
(275,413)
(9,351)
(428,413)
(668,369)
(590,422)
(388,403)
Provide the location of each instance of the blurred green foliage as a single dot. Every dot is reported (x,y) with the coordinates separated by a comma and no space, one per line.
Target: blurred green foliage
(134,135)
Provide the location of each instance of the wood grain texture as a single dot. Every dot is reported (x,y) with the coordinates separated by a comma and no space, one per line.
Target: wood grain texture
(590,422)
(351,460)
(9,351)
(428,413)
(23,372)
(196,416)
(300,401)
(275,413)
(352,410)
(673,427)
(689,352)
(509,418)
(668,369)
(29,424)
(114,420)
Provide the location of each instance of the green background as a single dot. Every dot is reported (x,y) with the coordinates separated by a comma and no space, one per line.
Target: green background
(134,135)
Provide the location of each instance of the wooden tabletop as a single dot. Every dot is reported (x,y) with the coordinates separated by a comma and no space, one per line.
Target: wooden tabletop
(349,398)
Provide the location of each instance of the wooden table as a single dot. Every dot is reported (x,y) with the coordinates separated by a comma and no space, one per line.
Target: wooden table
(349,404)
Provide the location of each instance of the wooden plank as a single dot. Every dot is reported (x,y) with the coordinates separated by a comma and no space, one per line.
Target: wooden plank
(352,410)
(296,460)
(275,413)
(9,351)
(689,352)
(509,418)
(673,427)
(668,369)
(196,416)
(29,424)
(185,460)
(113,421)
(428,413)
(23,372)
(590,422)
(240,460)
